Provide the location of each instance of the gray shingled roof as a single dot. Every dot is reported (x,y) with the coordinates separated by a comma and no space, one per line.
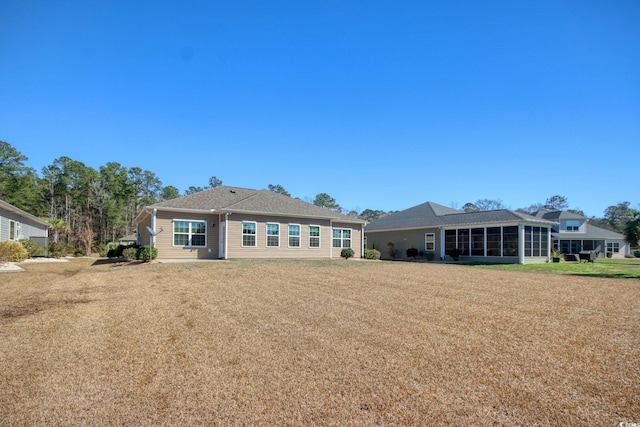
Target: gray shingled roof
(431,214)
(592,233)
(234,199)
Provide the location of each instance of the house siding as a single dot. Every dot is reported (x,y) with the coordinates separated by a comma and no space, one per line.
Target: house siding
(164,236)
(402,240)
(356,239)
(28,228)
(261,250)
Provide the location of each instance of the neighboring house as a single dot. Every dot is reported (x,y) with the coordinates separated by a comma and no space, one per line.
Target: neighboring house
(229,222)
(16,225)
(497,236)
(573,234)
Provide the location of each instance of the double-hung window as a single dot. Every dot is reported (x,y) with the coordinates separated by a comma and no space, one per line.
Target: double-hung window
(429,241)
(341,238)
(189,233)
(273,235)
(248,234)
(294,236)
(314,236)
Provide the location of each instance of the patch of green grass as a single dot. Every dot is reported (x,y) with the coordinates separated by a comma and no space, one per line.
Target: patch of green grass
(628,268)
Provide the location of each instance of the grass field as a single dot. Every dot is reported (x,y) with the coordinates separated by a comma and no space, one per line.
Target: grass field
(628,268)
(315,343)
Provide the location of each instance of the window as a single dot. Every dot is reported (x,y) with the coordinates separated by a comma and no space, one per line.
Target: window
(341,238)
(450,240)
(273,235)
(189,233)
(573,225)
(463,241)
(613,247)
(429,241)
(249,234)
(477,241)
(510,241)
(536,241)
(494,238)
(314,236)
(294,236)
(13,230)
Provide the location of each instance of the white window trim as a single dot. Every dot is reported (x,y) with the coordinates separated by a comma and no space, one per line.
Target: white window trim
(266,232)
(315,237)
(342,238)
(242,234)
(189,233)
(434,242)
(289,236)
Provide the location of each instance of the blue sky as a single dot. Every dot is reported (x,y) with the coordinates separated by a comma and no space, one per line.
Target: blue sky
(381,104)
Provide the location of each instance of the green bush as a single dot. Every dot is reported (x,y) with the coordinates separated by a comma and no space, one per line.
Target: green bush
(12,252)
(430,256)
(117,251)
(144,254)
(372,254)
(346,253)
(412,253)
(130,253)
(58,249)
(102,249)
(609,254)
(33,248)
(636,253)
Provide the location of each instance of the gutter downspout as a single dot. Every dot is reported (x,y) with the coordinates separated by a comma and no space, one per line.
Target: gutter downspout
(226,234)
(331,239)
(153,226)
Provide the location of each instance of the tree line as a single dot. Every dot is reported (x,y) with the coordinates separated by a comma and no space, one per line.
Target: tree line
(87,206)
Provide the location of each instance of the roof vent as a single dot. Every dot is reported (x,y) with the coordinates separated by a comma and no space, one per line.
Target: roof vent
(232,191)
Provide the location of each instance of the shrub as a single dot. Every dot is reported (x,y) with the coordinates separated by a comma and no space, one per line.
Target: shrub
(372,254)
(130,253)
(637,253)
(33,248)
(102,249)
(144,254)
(609,254)
(346,253)
(58,249)
(12,252)
(430,256)
(412,253)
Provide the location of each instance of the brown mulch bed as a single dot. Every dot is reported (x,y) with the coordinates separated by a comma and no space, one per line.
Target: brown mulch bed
(315,343)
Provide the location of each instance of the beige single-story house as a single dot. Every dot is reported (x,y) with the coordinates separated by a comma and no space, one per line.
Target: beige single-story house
(496,236)
(230,222)
(16,225)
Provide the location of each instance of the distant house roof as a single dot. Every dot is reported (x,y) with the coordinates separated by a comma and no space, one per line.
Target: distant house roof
(226,199)
(10,208)
(431,214)
(591,232)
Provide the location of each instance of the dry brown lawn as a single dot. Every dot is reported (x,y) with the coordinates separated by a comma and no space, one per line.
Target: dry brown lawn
(315,343)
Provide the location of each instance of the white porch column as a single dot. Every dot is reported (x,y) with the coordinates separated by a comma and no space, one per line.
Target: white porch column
(520,243)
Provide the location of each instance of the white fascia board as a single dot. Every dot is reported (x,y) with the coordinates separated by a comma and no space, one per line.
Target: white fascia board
(147,211)
(288,215)
(9,207)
